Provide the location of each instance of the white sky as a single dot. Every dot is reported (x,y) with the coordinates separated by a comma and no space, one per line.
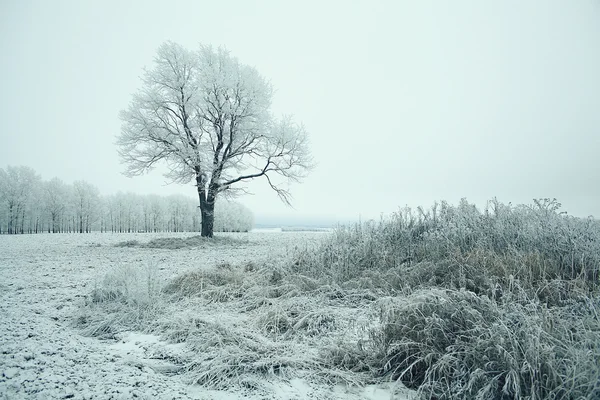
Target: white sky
(406,102)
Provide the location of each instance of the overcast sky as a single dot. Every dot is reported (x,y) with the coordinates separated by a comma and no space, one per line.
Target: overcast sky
(406,102)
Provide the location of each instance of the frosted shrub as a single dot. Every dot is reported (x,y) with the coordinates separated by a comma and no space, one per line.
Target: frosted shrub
(531,242)
(457,345)
(128,284)
(499,304)
(127,298)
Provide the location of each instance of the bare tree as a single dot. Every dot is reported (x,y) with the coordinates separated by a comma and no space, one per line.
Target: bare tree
(17,185)
(36,213)
(157,206)
(232,217)
(207,116)
(86,201)
(55,193)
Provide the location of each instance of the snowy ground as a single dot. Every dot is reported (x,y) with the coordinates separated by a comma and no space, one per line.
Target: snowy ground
(43,280)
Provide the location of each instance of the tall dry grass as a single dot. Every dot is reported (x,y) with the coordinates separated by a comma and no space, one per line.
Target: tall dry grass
(499,304)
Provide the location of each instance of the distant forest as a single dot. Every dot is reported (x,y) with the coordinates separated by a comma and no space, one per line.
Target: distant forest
(29,204)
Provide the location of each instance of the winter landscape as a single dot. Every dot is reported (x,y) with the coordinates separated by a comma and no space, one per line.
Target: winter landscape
(369,200)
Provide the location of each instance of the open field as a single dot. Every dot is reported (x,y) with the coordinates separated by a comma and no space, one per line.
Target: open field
(53,345)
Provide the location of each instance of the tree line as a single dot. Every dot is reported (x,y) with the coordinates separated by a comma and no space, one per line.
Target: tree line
(29,204)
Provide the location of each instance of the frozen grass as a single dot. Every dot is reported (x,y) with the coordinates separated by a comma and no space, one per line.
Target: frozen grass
(533,242)
(241,324)
(457,345)
(127,297)
(174,243)
(498,304)
(452,302)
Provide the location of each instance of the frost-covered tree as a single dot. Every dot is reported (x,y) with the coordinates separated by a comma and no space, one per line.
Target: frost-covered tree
(133,212)
(36,213)
(86,202)
(118,212)
(67,223)
(17,185)
(232,217)
(179,213)
(111,213)
(103,214)
(157,213)
(3,201)
(55,193)
(207,116)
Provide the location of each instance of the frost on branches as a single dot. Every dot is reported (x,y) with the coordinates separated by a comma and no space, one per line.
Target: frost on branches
(207,116)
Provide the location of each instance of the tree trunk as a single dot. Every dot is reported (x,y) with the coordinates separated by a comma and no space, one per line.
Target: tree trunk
(208,219)
(10,219)
(207,207)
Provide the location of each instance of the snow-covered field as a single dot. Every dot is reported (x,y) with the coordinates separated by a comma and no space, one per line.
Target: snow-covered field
(44,281)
